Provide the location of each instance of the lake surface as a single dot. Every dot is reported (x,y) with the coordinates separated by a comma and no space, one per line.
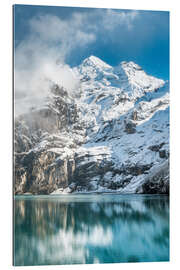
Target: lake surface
(76,229)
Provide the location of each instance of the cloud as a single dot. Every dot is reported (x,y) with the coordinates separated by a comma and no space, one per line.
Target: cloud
(113,19)
(50,29)
(52,39)
(32,86)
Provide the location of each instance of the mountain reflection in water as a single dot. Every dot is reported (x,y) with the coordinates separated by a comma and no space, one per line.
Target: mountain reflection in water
(105,228)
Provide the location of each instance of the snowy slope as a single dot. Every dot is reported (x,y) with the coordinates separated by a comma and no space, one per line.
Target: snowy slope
(111,135)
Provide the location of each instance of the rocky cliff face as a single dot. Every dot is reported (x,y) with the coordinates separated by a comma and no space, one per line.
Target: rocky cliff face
(112,136)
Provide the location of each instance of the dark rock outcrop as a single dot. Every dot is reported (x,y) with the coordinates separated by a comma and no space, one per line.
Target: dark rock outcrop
(157,182)
(40,163)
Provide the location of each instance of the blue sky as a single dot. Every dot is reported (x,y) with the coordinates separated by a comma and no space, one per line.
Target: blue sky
(72,34)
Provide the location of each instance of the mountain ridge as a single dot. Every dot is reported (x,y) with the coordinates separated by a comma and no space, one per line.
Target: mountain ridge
(110,138)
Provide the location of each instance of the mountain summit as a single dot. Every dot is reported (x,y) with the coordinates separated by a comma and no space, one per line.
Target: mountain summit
(112,137)
(95,61)
(128,76)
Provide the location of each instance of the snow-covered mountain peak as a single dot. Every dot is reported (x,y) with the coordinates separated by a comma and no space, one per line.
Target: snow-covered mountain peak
(95,62)
(92,68)
(128,77)
(135,81)
(111,136)
(130,66)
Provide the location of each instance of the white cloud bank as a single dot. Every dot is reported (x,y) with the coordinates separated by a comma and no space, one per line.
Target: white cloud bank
(52,40)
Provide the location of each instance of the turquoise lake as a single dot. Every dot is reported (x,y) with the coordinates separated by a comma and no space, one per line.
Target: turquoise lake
(81,229)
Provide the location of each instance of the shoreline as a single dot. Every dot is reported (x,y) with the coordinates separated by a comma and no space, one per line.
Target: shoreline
(91,193)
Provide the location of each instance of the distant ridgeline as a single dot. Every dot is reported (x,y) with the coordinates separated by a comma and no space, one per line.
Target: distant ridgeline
(111,136)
